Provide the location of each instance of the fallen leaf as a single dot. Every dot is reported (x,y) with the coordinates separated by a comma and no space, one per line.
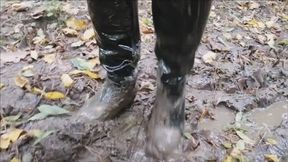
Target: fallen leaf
(227,145)
(13,56)
(245,138)
(15,160)
(77,44)
(48,110)
(27,71)
(256,24)
(38,13)
(36,90)
(188,135)
(9,137)
(54,95)
(76,24)
(52,110)
(42,136)
(40,38)
(271,158)
(21,81)
(94,62)
(19,7)
(283,42)
(38,116)
(49,58)
(228,159)
(271,141)
(12,118)
(1,86)
(209,57)
(70,32)
(81,64)
(86,72)
(88,34)
(34,54)
(66,80)
(4,143)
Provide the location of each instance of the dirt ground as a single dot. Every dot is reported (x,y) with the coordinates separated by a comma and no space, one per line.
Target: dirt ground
(236,94)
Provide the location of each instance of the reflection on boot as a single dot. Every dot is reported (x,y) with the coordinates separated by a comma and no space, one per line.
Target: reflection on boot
(110,101)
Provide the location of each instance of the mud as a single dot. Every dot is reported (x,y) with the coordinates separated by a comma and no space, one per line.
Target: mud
(248,76)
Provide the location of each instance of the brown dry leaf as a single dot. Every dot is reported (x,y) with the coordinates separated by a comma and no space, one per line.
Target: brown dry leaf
(12,56)
(70,32)
(66,80)
(54,95)
(15,160)
(21,81)
(76,24)
(34,54)
(38,13)
(49,58)
(86,72)
(88,34)
(271,158)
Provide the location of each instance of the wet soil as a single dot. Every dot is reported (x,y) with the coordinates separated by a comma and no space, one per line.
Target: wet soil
(245,88)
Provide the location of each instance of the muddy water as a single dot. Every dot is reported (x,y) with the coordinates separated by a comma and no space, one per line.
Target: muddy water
(271,116)
(223,119)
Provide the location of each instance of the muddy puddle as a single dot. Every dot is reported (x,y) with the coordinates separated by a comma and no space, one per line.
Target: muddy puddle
(259,118)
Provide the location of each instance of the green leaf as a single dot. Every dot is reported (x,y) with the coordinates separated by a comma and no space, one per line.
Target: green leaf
(12,118)
(42,136)
(52,110)
(38,116)
(284,42)
(81,64)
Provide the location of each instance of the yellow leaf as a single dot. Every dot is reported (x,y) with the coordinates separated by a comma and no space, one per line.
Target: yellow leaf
(21,81)
(86,72)
(4,143)
(256,24)
(70,32)
(12,135)
(15,160)
(271,141)
(49,58)
(91,74)
(36,90)
(228,159)
(94,62)
(1,86)
(76,24)
(54,95)
(66,80)
(88,34)
(271,157)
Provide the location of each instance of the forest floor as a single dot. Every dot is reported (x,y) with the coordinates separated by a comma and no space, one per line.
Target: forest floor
(236,94)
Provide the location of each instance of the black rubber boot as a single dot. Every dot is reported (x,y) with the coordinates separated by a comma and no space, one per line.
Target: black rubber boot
(118,38)
(167,119)
(179,26)
(110,101)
